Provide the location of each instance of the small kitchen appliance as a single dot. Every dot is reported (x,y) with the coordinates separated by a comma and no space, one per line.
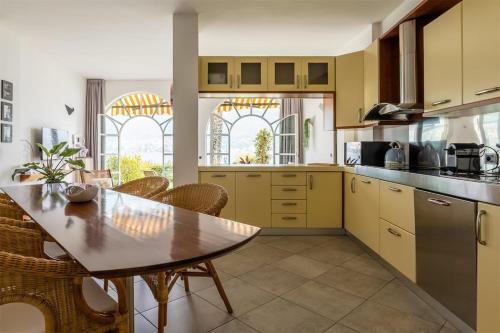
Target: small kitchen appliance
(365,152)
(463,158)
(395,156)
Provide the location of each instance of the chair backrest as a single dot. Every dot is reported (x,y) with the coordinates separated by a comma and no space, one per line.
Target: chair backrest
(101,178)
(19,240)
(203,198)
(146,187)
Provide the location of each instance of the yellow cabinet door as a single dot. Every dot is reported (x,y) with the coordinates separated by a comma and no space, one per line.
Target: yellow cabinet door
(226,180)
(349,90)
(251,73)
(443,61)
(318,73)
(488,270)
(371,68)
(366,208)
(481,49)
(349,197)
(253,198)
(284,74)
(324,200)
(216,74)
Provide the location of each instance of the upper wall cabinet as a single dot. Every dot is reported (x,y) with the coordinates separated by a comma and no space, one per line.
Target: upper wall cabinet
(349,90)
(481,50)
(251,73)
(371,75)
(443,61)
(216,74)
(284,74)
(318,74)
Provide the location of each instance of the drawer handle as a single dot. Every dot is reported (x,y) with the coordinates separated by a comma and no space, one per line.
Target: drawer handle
(289,204)
(310,182)
(487,91)
(289,218)
(289,175)
(366,181)
(254,175)
(219,176)
(394,232)
(439,202)
(479,224)
(289,189)
(394,189)
(444,101)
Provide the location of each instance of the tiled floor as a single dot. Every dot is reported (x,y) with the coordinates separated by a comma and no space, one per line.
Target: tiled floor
(294,284)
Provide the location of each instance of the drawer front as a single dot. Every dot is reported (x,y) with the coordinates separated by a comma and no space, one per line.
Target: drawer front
(289,192)
(253,198)
(289,206)
(289,178)
(397,206)
(397,247)
(226,180)
(289,221)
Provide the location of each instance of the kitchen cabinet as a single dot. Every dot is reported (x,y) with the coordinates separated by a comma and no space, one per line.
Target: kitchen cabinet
(371,70)
(481,50)
(216,74)
(226,180)
(318,73)
(349,90)
(443,61)
(324,200)
(397,205)
(250,73)
(284,73)
(488,270)
(349,198)
(253,198)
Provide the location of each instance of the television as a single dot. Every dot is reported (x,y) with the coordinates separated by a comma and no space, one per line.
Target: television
(53,136)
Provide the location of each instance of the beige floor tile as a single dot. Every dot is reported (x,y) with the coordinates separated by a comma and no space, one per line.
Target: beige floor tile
(236,264)
(199,283)
(142,325)
(242,296)
(368,266)
(377,318)
(266,253)
(352,282)
(281,316)
(313,240)
(397,296)
(328,255)
(234,326)
(339,328)
(250,244)
(448,328)
(191,314)
(303,266)
(273,279)
(291,244)
(324,300)
(345,244)
(266,239)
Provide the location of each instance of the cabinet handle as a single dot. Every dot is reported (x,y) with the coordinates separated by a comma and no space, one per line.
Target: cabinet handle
(289,204)
(305,81)
(298,81)
(438,202)
(394,232)
(366,181)
(479,222)
(231,81)
(310,182)
(486,91)
(289,218)
(289,189)
(219,176)
(238,81)
(394,189)
(353,183)
(254,175)
(289,175)
(444,101)
(360,115)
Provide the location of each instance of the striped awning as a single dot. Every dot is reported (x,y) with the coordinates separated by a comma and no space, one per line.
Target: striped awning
(242,103)
(141,105)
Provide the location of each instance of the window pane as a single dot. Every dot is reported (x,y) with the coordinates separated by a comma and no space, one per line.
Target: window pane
(243,140)
(109,144)
(284,73)
(250,73)
(286,126)
(107,126)
(217,73)
(318,73)
(169,144)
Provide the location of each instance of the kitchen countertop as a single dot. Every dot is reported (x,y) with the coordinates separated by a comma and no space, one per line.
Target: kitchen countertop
(260,167)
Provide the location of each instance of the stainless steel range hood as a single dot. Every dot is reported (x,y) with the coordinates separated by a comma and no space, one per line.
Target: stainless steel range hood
(407,79)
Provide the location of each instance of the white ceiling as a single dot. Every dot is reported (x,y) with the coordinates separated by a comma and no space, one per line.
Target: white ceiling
(131,39)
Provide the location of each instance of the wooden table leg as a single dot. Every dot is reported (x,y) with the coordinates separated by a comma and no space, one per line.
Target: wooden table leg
(129,286)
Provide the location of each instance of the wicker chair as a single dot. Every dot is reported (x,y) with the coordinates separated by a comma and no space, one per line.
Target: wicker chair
(12,211)
(203,198)
(146,187)
(96,177)
(66,297)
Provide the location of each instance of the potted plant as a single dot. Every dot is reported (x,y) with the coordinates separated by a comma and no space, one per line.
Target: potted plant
(58,164)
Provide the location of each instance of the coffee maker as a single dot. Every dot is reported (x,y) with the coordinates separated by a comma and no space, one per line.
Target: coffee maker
(463,158)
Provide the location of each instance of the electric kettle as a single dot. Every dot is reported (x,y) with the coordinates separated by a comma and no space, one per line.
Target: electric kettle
(395,157)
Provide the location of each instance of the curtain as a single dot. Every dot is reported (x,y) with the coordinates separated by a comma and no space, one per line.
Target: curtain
(291,106)
(94,106)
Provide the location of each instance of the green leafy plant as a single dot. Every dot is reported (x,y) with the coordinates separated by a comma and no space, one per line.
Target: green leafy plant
(58,164)
(262,143)
(307,131)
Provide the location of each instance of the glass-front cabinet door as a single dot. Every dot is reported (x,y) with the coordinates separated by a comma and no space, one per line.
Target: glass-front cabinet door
(318,74)
(251,73)
(284,74)
(216,74)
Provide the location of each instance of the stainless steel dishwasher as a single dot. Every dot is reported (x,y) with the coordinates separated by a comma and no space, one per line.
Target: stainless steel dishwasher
(446,251)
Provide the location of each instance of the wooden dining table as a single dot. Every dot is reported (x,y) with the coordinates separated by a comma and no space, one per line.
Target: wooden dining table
(120,235)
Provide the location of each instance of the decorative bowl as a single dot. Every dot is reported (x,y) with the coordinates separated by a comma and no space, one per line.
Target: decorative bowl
(83,193)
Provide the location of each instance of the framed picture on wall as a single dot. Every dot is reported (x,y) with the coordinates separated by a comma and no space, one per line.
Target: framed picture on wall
(6,111)
(6,130)
(7,90)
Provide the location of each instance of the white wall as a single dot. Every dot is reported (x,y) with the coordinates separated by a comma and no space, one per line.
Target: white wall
(320,149)
(41,88)
(118,88)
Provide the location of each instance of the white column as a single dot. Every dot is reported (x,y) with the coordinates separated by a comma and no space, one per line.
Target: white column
(185,98)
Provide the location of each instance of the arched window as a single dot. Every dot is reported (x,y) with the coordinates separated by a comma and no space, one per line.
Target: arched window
(136,137)
(236,125)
